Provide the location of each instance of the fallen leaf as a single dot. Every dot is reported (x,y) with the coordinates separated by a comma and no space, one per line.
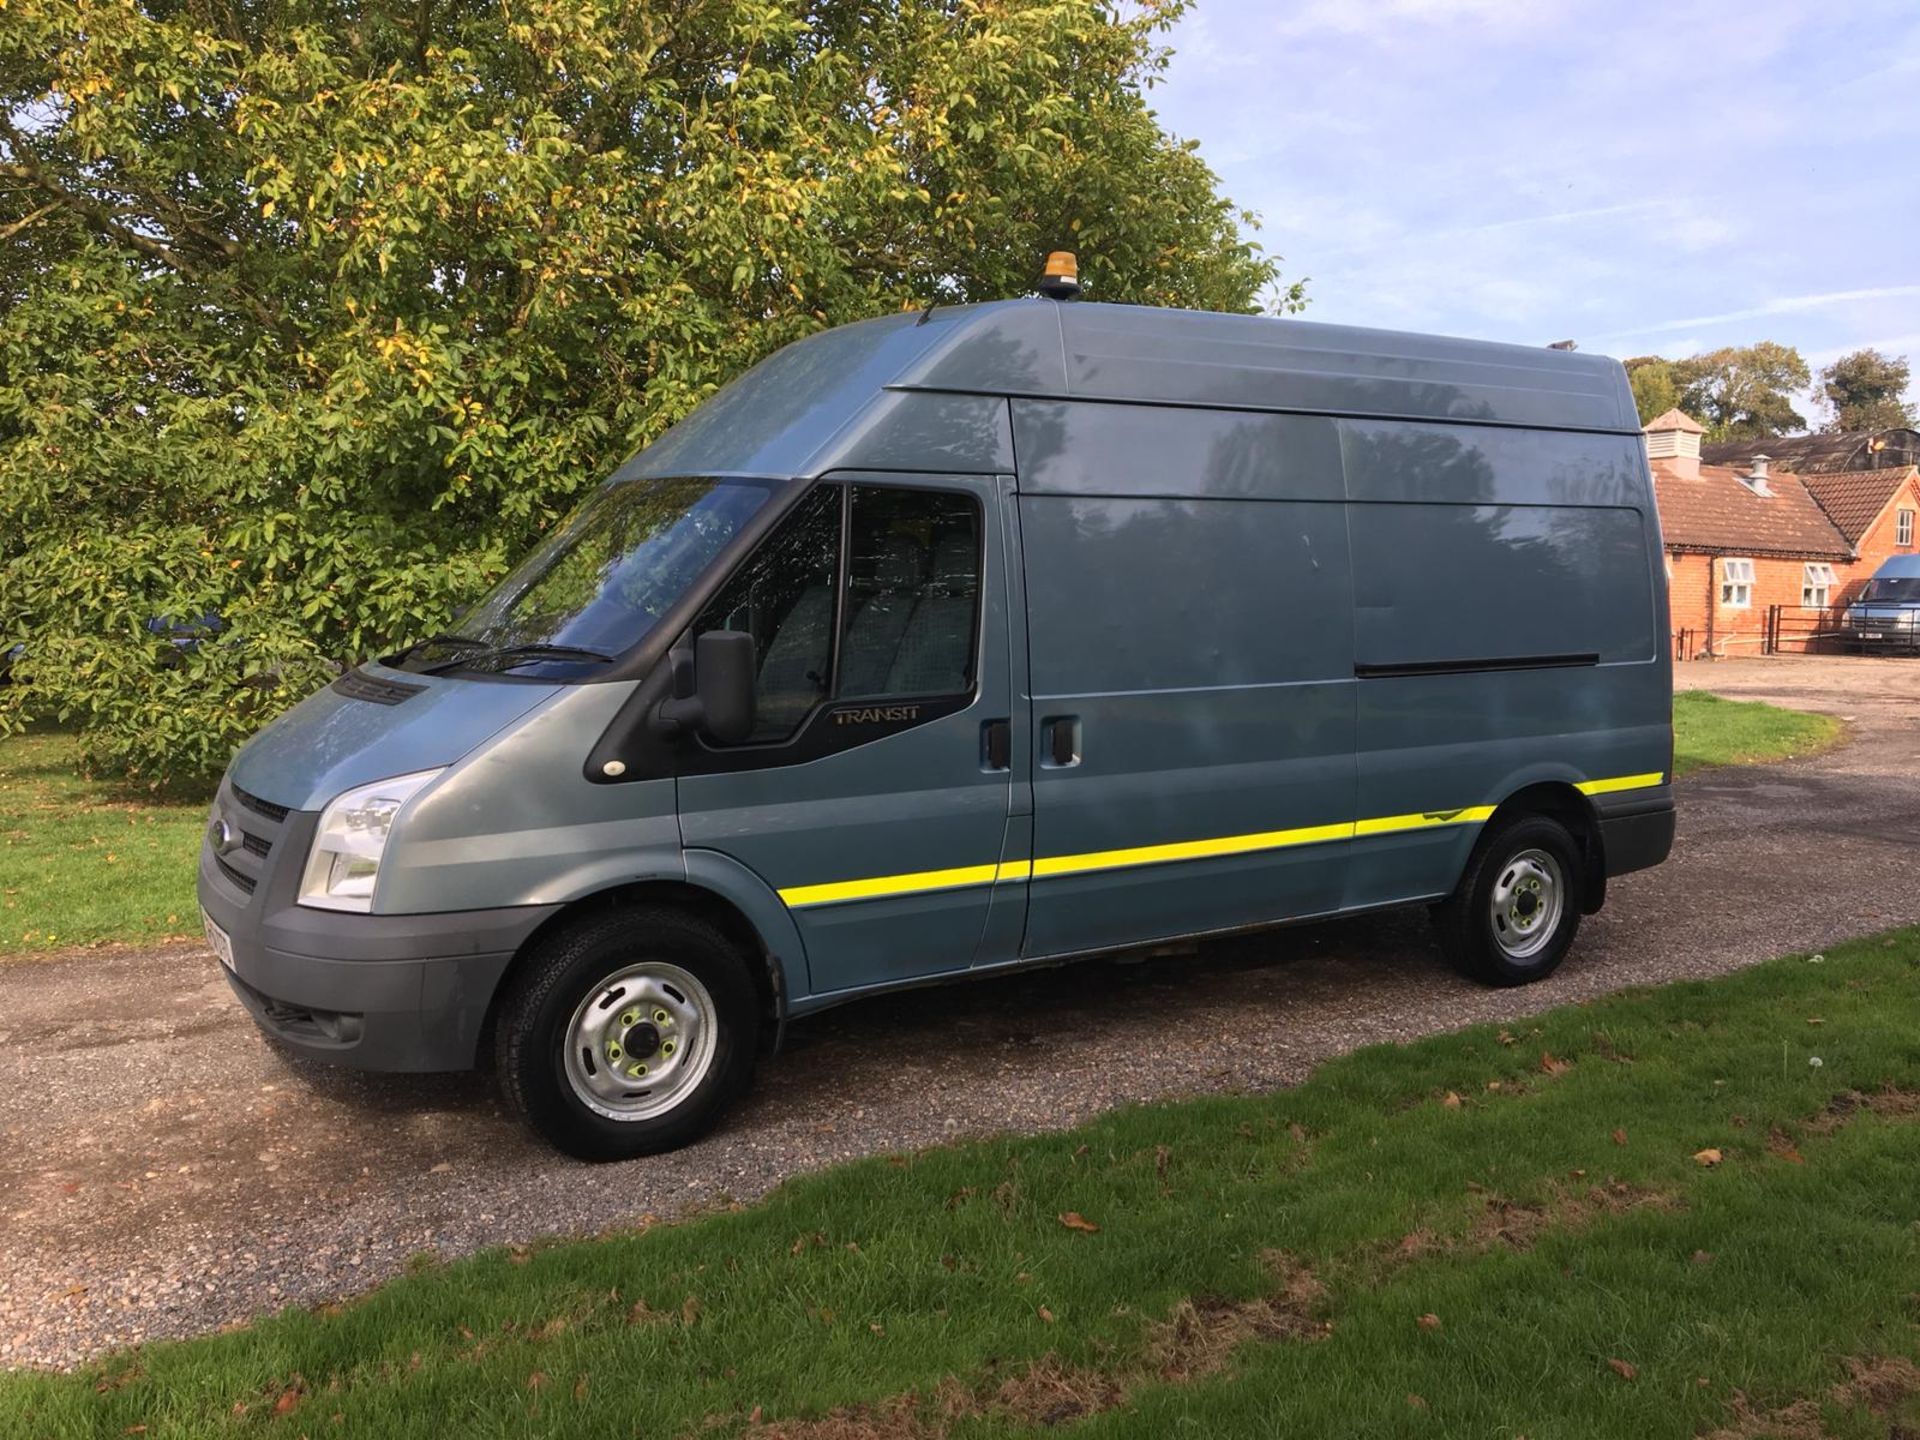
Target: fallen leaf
(690,1310)
(1493,1084)
(1781,1144)
(289,1399)
(1551,1066)
(1428,1321)
(754,1418)
(1815,1020)
(1708,1157)
(1703,1257)
(1506,1037)
(1074,1220)
(1451,1101)
(1623,1369)
(1046,1314)
(1298,1132)
(876,1327)
(580,1388)
(1620,1137)
(536,1379)
(1417,1402)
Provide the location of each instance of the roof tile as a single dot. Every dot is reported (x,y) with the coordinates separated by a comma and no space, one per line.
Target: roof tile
(1715,511)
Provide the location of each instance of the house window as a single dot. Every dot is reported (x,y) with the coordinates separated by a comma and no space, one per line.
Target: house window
(1816,586)
(1736,584)
(1903,529)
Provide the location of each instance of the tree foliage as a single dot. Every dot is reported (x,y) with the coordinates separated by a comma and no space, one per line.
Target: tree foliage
(1739,392)
(318,312)
(1868,391)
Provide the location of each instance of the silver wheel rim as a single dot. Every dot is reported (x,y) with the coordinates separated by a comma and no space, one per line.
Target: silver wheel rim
(1528,897)
(641,1041)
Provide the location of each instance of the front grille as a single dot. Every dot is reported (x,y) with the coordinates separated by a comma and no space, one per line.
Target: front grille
(258,844)
(273,812)
(239,877)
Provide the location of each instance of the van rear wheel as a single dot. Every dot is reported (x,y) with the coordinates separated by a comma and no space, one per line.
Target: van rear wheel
(1517,908)
(628,1033)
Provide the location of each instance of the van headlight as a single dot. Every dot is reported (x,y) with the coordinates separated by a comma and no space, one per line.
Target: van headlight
(345,859)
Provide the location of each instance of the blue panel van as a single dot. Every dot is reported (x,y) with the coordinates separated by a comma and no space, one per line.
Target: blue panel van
(1885,615)
(953,642)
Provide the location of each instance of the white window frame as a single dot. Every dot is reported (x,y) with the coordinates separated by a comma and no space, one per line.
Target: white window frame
(1736,583)
(1816,585)
(1903,529)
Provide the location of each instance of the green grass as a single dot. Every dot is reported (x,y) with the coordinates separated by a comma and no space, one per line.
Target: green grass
(81,862)
(1708,730)
(1535,1190)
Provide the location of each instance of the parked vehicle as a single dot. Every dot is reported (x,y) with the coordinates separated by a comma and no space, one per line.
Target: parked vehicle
(1886,613)
(945,644)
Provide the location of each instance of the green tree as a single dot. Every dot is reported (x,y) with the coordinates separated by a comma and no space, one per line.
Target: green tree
(1868,391)
(1744,392)
(318,313)
(1655,390)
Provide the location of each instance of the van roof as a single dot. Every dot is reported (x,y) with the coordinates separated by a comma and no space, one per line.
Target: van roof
(1898,567)
(799,407)
(1192,357)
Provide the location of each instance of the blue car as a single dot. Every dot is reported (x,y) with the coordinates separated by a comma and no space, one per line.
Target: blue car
(1886,615)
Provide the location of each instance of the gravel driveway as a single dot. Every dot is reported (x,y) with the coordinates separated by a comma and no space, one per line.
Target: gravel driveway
(165,1172)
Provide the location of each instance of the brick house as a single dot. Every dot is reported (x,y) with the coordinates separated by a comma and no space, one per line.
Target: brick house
(1738,539)
(1745,536)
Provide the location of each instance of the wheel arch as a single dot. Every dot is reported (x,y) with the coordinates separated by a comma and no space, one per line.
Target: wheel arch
(1561,800)
(774,960)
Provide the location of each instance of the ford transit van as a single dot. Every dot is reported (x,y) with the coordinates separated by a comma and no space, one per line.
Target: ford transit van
(953,642)
(1885,615)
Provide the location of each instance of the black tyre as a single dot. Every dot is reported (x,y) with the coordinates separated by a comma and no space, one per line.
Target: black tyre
(1517,908)
(628,1033)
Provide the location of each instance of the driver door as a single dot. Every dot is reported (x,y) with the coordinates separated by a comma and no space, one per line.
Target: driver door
(873,795)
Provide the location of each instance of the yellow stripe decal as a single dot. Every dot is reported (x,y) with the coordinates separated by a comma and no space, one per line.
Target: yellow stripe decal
(1624,782)
(882,885)
(1018,871)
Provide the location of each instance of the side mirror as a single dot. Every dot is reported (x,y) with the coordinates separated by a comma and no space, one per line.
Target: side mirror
(721,700)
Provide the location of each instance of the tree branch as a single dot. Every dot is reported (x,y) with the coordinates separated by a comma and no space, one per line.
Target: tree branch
(17,226)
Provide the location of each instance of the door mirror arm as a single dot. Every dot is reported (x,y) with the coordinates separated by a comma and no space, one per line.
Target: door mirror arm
(712,689)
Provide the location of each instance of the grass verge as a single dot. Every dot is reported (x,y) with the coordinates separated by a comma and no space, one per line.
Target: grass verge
(81,862)
(1708,730)
(1675,1212)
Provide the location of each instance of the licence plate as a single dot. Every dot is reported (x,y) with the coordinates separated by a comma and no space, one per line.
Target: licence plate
(218,940)
(1872,635)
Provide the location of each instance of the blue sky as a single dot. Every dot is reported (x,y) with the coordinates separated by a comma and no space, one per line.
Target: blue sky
(1643,178)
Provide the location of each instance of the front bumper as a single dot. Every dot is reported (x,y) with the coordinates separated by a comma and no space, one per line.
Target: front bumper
(376,992)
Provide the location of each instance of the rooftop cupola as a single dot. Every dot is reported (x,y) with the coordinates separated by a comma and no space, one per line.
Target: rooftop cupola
(1675,438)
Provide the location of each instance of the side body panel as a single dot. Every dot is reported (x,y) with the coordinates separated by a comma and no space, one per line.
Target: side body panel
(1476,549)
(1190,621)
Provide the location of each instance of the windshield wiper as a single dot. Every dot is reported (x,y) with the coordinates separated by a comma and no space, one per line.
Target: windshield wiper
(466,642)
(508,656)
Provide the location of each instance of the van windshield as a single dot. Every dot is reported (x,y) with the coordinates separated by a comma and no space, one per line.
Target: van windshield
(1900,587)
(600,582)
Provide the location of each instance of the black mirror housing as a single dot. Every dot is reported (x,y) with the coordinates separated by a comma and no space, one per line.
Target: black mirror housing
(721,701)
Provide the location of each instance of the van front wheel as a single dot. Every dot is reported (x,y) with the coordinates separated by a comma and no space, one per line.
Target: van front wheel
(1517,909)
(627,1034)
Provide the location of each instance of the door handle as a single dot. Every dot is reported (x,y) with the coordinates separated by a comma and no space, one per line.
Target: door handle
(996,745)
(1063,742)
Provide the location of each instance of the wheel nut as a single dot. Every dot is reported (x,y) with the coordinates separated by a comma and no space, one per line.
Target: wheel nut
(660,1017)
(637,1071)
(613,1052)
(667,1049)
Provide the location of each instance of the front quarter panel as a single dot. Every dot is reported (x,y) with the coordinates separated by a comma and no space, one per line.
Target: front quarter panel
(517,823)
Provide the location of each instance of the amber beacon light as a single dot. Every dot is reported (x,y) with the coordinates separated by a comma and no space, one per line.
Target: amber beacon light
(1061,279)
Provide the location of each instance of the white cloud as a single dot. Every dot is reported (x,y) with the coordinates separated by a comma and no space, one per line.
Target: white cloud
(1780,305)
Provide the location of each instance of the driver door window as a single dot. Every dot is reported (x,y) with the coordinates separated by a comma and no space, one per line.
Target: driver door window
(903,609)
